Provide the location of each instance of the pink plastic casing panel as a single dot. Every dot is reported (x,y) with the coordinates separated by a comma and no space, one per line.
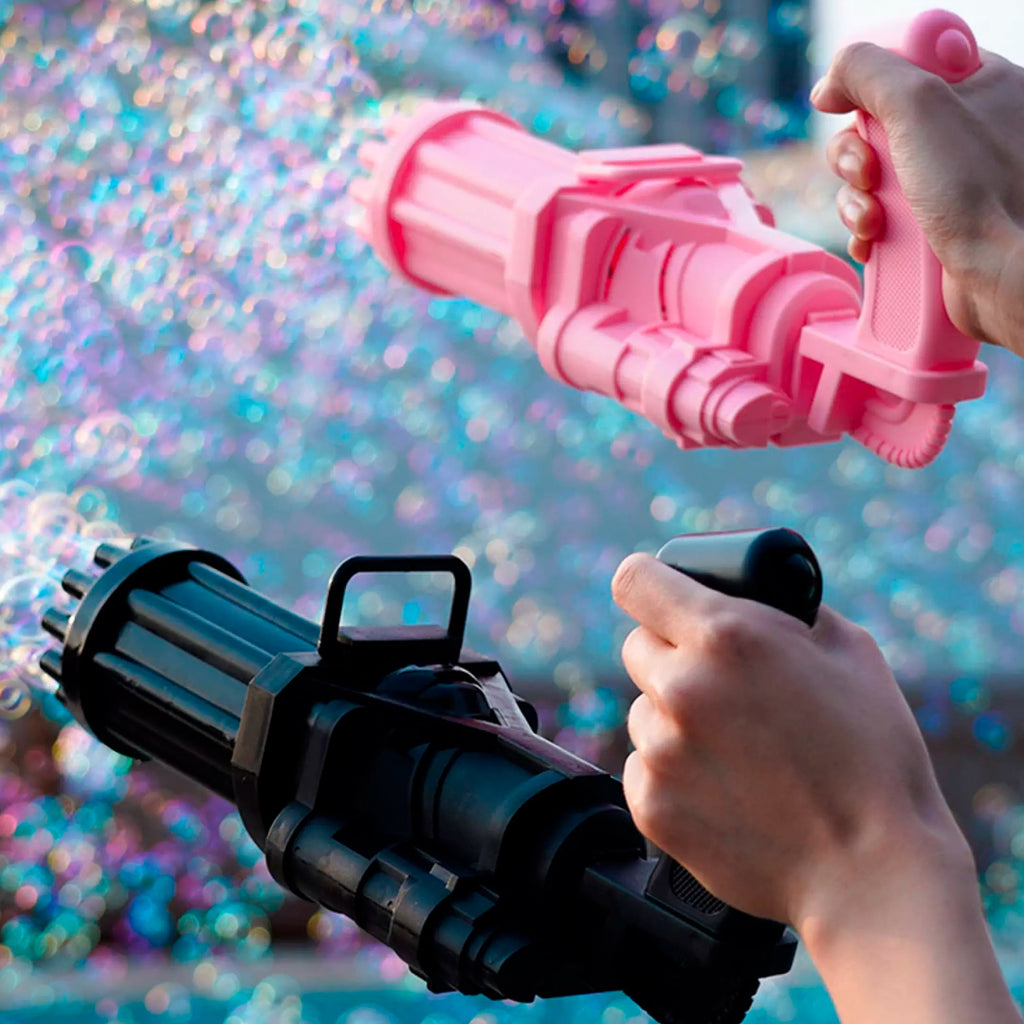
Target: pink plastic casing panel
(650,275)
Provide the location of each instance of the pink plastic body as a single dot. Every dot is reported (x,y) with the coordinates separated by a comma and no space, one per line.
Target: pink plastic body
(650,275)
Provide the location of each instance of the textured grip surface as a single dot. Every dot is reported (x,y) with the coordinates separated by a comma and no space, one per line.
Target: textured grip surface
(903,309)
(902,270)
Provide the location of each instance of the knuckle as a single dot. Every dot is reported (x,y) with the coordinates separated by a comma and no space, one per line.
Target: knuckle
(677,698)
(658,741)
(848,205)
(859,634)
(662,754)
(856,644)
(635,719)
(850,59)
(862,641)
(642,796)
(842,147)
(836,145)
(646,822)
(853,634)
(672,686)
(631,649)
(858,250)
(926,91)
(729,636)
(697,710)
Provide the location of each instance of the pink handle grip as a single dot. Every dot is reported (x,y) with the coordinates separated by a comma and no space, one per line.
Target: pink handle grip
(903,311)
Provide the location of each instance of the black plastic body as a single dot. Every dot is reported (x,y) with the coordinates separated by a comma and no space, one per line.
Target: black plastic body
(392,775)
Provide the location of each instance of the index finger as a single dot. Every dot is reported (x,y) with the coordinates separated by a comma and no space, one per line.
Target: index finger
(663,599)
(866,77)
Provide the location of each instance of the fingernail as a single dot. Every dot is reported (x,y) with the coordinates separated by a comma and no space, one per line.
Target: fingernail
(849,165)
(819,88)
(852,212)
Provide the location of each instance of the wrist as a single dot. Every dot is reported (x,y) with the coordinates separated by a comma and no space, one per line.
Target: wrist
(998,287)
(902,937)
(893,880)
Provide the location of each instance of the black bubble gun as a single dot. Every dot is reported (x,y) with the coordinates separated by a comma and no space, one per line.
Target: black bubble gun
(391,774)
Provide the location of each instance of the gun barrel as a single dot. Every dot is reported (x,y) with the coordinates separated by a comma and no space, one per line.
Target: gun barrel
(159,652)
(391,775)
(455,198)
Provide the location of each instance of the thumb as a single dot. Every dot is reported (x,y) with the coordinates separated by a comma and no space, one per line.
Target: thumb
(866,77)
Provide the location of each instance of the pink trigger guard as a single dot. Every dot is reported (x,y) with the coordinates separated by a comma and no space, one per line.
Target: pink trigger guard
(904,312)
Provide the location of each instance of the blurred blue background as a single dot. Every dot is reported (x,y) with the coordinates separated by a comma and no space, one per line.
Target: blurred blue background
(194,343)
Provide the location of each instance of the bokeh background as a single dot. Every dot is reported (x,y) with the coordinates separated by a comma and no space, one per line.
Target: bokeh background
(195,344)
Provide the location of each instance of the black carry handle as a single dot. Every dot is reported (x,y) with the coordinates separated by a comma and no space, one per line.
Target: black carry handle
(411,645)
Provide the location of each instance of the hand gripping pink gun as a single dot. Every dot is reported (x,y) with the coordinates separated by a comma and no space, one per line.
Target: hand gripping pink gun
(649,274)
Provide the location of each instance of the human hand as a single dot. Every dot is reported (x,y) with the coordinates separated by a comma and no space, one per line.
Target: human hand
(780,763)
(958,153)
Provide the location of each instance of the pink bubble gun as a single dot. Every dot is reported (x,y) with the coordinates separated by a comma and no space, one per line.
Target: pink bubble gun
(649,274)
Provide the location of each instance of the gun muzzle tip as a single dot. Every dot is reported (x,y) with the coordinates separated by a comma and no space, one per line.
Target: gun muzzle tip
(361,226)
(108,553)
(77,583)
(49,662)
(751,413)
(396,125)
(361,190)
(55,622)
(370,154)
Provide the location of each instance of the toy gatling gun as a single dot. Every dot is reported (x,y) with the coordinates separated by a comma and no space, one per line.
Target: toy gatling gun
(649,274)
(391,774)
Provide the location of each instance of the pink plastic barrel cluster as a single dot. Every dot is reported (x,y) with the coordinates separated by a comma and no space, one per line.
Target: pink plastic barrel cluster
(651,275)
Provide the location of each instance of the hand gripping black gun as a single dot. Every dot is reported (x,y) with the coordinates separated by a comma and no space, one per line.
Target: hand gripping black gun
(391,774)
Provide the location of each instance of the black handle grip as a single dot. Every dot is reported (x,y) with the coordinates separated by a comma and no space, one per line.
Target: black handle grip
(775,566)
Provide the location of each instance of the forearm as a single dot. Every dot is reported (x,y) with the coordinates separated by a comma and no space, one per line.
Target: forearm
(910,946)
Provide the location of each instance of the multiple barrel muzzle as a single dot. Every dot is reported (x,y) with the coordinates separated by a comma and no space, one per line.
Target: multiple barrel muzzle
(157,657)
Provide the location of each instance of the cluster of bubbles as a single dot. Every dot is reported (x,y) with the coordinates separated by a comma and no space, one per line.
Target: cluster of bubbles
(194,343)
(114,858)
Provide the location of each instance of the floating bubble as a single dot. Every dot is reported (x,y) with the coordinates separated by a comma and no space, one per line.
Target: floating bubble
(111,441)
(23,599)
(15,698)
